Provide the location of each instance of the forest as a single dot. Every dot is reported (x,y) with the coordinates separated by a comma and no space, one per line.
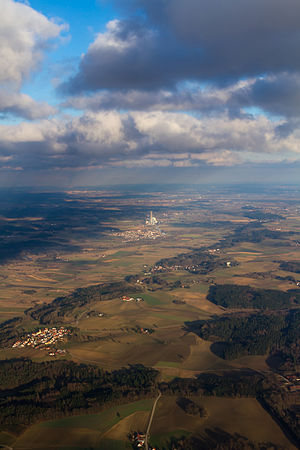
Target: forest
(235,296)
(11,330)
(253,232)
(258,214)
(290,266)
(218,439)
(237,335)
(38,391)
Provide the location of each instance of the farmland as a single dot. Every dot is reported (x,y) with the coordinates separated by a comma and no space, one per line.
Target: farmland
(208,240)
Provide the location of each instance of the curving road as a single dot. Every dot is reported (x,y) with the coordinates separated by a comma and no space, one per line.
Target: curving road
(150,420)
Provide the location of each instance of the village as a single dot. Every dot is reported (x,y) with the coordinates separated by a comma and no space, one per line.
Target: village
(140,234)
(44,339)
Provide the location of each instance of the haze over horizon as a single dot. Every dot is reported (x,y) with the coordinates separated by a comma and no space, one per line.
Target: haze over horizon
(138,91)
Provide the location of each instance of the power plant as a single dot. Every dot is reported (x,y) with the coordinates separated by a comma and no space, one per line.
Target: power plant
(151,220)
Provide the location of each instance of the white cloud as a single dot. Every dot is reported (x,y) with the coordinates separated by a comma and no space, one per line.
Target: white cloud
(24,34)
(24,106)
(138,139)
(112,39)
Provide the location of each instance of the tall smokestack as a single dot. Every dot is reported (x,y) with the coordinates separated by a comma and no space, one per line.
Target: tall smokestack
(151,218)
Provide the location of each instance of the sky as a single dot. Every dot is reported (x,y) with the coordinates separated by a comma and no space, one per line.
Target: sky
(192,91)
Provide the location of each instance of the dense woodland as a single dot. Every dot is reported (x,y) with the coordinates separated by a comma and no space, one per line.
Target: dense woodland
(218,439)
(237,335)
(38,391)
(244,383)
(258,214)
(11,330)
(235,296)
(253,232)
(290,266)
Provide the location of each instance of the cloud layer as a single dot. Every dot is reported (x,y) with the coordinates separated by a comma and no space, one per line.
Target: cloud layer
(168,84)
(147,139)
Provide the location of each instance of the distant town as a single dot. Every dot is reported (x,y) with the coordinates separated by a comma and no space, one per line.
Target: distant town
(142,233)
(138,235)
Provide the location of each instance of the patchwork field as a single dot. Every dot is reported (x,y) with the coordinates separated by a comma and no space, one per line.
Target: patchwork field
(109,430)
(244,416)
(89,248)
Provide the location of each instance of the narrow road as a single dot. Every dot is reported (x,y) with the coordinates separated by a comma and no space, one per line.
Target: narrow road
(150,420)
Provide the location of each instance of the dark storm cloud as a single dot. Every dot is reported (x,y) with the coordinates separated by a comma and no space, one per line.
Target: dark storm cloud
(278,95)
(130,55)
(191,40)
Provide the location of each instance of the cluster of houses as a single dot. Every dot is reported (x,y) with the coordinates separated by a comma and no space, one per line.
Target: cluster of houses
(294,382)
(140,234)
(57,352)
(125,298)
(161,269)
(43,339)
(291,383)
(139,439)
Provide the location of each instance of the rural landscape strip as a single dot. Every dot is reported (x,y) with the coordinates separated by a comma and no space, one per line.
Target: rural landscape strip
(251,321)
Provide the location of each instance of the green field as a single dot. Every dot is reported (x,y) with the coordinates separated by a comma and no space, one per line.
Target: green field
(79,432)
(151,300)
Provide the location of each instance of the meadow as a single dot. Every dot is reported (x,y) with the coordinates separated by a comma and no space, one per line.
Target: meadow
(89,431)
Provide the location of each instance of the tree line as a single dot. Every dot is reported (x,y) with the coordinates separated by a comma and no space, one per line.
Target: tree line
(235,296)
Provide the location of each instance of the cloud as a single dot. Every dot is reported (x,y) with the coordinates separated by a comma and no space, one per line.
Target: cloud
(22,105)
(277,94)
(126,55)
(203,40)
(25,35)
(145,139)
(192,98)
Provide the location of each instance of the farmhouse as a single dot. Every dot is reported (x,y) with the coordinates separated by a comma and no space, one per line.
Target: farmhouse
(127,299)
